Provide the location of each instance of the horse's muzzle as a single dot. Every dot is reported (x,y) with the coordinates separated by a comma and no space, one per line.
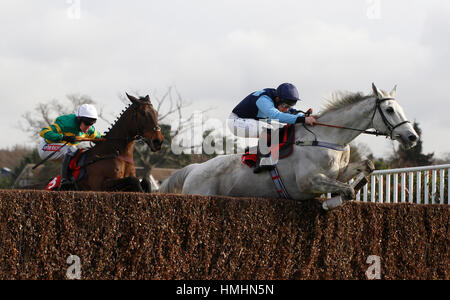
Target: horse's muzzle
(408,141)
(155,145)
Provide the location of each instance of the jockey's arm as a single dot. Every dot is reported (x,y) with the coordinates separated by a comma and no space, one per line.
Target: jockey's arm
(52,133)
(267,109)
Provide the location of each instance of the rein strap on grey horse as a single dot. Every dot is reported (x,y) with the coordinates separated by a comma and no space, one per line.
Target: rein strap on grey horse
(323,145)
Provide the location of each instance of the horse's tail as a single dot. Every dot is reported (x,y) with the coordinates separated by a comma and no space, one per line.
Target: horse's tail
(174,184)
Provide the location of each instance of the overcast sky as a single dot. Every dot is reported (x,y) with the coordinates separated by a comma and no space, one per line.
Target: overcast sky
(217,52)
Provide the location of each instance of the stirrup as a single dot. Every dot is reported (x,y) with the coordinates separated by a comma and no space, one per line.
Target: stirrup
(260,169)
(264,164)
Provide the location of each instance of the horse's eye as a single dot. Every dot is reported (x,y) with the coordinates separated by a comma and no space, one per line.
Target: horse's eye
(390,110)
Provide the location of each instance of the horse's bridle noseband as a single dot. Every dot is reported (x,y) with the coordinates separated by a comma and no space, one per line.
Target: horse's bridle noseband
(139,135)
(386,122)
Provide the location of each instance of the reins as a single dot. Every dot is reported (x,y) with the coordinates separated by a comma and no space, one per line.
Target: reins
(377,133)
(386,122)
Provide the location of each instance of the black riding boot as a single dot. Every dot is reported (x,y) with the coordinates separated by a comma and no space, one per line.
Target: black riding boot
(264,163)
(66,182)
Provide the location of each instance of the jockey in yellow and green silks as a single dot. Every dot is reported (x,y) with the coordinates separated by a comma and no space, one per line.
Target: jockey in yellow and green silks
(65,130)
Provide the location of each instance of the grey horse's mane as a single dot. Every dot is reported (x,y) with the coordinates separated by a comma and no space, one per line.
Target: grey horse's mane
(343,99)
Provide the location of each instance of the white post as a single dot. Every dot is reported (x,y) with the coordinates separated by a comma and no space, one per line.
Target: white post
(380,189)
(372,188)
(433,187)
(396,188)
(426,181)
(442,186)
(403,187)
(419,187)
(366,192)
(388,188)
(411,187)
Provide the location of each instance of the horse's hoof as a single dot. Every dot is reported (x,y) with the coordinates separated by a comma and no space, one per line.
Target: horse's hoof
(349,194)
(332,203)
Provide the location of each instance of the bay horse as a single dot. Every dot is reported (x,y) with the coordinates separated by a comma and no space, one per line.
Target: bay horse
(109,164)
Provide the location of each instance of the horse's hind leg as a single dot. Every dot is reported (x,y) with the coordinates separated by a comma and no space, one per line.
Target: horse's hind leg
(128,184)
(321,184)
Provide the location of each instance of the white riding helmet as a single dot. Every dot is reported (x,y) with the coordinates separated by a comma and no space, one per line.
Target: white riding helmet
(87,111)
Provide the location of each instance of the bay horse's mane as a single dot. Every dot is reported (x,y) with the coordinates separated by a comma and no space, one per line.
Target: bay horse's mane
(112,125)
(343,99)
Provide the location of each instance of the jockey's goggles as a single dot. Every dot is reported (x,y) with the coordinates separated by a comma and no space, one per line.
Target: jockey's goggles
(287,103)
(88,121)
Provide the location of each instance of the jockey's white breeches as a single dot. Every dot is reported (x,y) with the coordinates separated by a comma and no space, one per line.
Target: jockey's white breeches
(250,128)
(45,149)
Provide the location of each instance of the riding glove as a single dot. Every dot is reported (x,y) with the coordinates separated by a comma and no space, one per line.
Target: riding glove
(70,139)
(300,120)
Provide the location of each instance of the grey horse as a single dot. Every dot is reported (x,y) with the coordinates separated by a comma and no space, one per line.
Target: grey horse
(310,171)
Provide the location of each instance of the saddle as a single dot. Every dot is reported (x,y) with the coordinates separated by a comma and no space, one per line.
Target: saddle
(284,149)
(76,167)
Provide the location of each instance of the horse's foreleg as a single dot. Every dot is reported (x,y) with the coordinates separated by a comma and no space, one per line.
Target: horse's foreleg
(321,184)
(353,169)
(128,184)
(146,185)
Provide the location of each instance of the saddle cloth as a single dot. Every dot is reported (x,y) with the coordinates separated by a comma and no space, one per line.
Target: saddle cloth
(76,167)
(284,149)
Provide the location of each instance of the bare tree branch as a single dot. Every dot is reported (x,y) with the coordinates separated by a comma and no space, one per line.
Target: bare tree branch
(45,113)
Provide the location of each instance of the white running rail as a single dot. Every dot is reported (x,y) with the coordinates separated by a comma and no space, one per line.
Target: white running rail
(420,185)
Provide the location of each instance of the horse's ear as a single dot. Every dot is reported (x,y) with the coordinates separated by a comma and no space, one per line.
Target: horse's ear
(393,93)
(377,92)
(147,98)
(132,99)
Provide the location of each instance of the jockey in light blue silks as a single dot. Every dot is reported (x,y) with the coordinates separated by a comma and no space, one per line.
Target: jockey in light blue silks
(268,104)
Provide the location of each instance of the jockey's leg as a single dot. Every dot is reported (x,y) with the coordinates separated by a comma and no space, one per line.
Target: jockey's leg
(353,169)
(45,149)
(321,184)
(65,172)
(265,161)
(245,128)
(250,128)
(268,152)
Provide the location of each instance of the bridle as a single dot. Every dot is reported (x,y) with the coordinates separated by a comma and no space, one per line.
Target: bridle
(139,134)
(390,127)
